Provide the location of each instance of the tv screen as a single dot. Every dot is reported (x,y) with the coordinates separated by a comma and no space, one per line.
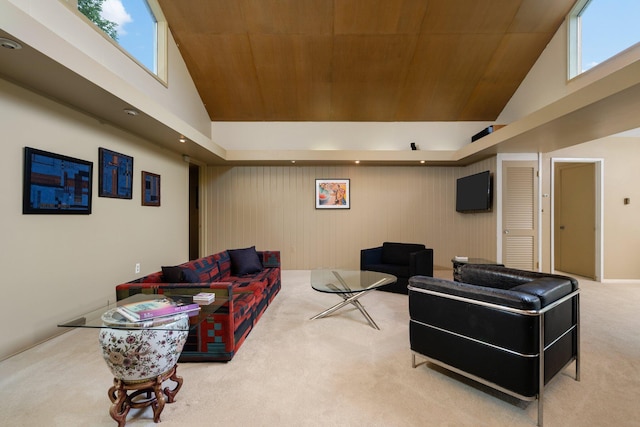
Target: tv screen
(473,193)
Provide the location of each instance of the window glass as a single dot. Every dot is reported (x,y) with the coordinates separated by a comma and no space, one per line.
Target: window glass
(130,23)
(608,27)
(600,29)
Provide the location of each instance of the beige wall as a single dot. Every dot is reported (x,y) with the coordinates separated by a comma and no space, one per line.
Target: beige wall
(621,227)
(55,267)
(64,35)
(273,208)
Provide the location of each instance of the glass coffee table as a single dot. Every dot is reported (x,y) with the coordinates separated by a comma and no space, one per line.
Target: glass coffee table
(350,285)
(142,355)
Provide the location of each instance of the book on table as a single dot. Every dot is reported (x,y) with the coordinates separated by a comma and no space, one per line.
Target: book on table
(143,310)
(120,318)
(204,297)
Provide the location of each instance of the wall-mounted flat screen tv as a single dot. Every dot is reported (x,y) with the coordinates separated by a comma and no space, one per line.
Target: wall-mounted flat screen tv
(474,193)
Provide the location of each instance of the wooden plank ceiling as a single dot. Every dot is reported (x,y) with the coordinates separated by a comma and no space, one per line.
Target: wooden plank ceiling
(360,60)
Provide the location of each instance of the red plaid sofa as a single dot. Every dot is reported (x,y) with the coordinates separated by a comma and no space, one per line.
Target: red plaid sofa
(247,296)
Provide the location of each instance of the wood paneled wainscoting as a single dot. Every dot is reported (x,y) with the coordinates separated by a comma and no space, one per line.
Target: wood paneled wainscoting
(273,207)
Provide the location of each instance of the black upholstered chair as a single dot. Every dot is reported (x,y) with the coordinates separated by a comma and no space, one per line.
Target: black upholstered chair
(510,329)
(403,260)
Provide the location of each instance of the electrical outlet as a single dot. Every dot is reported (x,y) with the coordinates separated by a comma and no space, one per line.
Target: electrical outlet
(138,267)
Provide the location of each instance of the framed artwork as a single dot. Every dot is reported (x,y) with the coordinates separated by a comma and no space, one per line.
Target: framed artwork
(332,194)
(115,176)
(150,189)
(55,184)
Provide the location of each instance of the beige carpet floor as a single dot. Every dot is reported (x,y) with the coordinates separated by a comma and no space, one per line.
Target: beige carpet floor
(337,371)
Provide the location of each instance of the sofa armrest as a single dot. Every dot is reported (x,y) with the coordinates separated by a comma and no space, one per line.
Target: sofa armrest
(269,259)
(370,256)
(421,263)
(474,294)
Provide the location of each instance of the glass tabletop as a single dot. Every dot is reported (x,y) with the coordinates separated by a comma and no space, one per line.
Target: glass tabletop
(108,316)
(337,281)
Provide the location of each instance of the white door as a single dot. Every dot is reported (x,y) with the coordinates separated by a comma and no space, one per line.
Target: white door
(520,214)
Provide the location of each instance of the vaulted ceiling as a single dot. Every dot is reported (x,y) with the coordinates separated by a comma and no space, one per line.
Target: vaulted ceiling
(360,60)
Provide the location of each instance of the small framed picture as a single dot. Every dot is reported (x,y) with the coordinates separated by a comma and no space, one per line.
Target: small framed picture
(332,194)
(150,189)
(115,177)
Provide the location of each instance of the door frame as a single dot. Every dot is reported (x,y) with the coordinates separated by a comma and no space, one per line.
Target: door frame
(599,166)
(203,244)
(511,157)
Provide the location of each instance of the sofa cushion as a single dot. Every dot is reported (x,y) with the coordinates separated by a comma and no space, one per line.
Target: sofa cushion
(180,274)
(172,274)
(548,289)
(398,253)
(224,264)
(248,284)
(244,261)
(190,276)
(205,268)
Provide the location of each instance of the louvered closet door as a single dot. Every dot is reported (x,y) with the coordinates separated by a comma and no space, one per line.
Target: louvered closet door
(519,214)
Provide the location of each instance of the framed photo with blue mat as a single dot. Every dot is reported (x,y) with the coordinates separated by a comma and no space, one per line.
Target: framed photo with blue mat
(150,189)
(115,176)
(55,184)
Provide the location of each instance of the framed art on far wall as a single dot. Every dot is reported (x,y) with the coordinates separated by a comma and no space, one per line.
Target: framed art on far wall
(115,175)
(150,189)
(55,184)
(332,194)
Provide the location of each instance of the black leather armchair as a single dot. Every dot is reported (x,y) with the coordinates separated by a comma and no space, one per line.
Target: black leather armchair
(403,260)
(510,329)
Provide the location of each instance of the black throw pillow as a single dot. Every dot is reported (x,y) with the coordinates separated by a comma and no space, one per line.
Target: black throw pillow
(172,274)
(244,261)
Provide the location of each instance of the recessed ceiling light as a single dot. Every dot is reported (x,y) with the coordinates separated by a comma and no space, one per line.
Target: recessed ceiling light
(131,111)
(423,162)
(182,139)
(10,44)
(293,161)
(357,162)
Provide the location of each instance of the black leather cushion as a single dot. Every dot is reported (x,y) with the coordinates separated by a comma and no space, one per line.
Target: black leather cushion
(548,289)
(396,270)
(496,276)
(486,275)
(398,253)
(172,274)
(244,261)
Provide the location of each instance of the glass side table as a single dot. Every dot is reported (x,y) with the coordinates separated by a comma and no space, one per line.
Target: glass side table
(143,355)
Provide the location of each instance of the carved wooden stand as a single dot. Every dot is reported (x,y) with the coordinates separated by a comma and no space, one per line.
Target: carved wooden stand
(122,401)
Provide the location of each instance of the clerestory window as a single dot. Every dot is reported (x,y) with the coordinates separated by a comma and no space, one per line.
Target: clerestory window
(599,30)
(137,26)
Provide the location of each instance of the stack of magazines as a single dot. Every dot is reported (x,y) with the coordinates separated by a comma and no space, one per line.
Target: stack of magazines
(204,297)
(161,307)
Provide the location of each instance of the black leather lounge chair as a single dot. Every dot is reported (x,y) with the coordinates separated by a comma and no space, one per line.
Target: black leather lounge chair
(510,329)
(403,260)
